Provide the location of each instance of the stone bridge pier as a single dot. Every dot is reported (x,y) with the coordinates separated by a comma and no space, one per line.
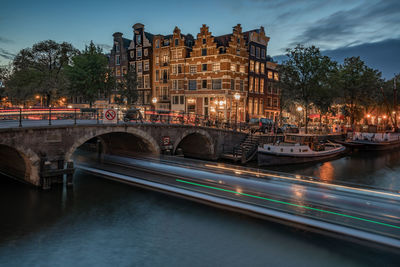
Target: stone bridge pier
(42,156)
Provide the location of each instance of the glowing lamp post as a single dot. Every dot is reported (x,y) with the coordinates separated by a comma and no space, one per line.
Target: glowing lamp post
(237,98)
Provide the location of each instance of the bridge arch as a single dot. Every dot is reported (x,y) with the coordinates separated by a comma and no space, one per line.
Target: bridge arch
(20,162)
(196,143)
(143,136)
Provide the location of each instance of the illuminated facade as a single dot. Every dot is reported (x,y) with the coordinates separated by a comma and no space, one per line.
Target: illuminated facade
(220,77)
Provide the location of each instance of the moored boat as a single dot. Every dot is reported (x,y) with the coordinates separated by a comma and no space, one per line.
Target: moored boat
(373,141)
(297,149)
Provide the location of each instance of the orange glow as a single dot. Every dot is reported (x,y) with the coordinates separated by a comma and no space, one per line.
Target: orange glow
(327,171)
(368,115)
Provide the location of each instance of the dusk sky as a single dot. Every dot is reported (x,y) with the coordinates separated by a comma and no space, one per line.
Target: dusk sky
(331,25)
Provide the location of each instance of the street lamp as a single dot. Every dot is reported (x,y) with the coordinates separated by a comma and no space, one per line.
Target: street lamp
(237,98)
(154,100)
(300,109)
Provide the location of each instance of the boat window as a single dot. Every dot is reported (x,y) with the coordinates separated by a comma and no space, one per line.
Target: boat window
(281,149)
(269,148)
(299,150)
(291,150)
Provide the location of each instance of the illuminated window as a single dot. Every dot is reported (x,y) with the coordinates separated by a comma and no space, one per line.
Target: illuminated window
(216,67)
(257,67)
(250,105)
(262,68)
(251,84)
(261,85)
(233,67)
(276,77)
(256,85)
(193,68)
(270,75)
(251,65)
(146,81)
(146,65)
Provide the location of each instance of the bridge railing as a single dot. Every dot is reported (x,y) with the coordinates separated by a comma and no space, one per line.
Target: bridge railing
(24,117)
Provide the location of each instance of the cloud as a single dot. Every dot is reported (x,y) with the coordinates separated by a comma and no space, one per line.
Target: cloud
(4,54)
(382,55)
(105,47)
(5,40)
(373,21)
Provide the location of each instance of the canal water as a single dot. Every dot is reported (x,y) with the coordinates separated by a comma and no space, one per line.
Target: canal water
(102,223)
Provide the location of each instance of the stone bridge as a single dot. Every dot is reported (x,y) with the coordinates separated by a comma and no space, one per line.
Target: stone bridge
(42,155)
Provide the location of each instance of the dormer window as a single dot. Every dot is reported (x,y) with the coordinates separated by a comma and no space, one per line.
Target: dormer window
(117,47)
(204,41)
(158,44)
(138,39)
(176,42)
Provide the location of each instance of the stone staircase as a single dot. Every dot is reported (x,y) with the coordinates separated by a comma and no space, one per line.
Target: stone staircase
(246,150)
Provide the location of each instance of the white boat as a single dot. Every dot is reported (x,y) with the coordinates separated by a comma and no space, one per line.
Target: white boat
(373,141)
(297,149)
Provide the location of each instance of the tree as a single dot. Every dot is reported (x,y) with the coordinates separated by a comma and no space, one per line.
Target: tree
(304,74)
(127,88)
(359,86)
(390,98)
(40,70)
(88,75)
(327,94)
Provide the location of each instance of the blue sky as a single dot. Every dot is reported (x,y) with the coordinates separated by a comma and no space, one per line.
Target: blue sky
(331,25)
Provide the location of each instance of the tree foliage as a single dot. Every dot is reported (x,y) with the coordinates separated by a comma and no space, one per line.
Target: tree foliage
(40,70)
(360,86)
(305,75)
(127,88)
(89,75)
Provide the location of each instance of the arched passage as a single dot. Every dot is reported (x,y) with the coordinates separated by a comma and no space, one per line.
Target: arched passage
(19,163)
(118,142)
(196,144)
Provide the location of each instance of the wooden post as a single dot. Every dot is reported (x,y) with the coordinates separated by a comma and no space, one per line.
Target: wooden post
(70,176)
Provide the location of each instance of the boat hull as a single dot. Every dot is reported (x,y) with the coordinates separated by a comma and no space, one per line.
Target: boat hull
(271,159)
(374,146)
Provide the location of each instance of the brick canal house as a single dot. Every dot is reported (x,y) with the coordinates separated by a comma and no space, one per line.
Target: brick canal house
(202,76)
(257,44)
(272,105)
(140,55)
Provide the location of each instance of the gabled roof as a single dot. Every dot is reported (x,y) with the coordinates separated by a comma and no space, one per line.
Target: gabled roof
(223,40)
(126,42)
(149,36)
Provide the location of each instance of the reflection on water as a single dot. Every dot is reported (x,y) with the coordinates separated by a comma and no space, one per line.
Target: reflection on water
(103,223)
(373,169)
